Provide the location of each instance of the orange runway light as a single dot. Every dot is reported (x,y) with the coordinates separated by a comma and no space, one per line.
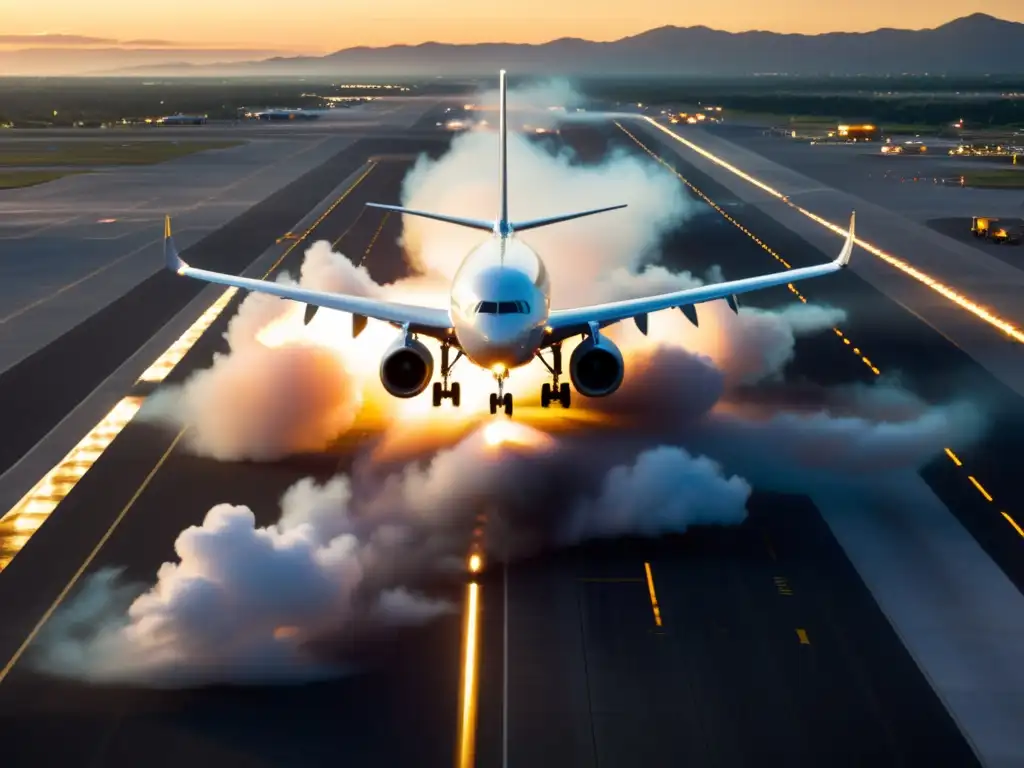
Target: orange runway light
(468,689)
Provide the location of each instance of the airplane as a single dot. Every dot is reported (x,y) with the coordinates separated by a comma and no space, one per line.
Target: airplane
(499,315)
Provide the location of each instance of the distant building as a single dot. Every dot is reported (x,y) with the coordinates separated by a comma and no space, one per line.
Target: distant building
(281,114)
(858,132)
(182,120)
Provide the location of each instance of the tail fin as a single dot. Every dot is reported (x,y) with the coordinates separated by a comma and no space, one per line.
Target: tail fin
(504,229)
(502,226)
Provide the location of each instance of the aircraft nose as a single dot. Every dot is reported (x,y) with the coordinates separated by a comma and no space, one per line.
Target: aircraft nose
(497,329)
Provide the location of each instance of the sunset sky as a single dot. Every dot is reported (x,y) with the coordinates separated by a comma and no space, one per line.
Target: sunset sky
(319,26)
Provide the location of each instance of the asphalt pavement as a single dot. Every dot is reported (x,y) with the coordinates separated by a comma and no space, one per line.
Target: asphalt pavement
(770,649)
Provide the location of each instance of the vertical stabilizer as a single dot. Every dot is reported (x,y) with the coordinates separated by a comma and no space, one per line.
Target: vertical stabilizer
(503,224)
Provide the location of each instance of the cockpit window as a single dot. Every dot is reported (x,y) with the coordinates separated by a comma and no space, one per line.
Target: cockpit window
(503,308)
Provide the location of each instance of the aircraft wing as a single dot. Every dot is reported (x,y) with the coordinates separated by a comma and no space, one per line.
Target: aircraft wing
(425,320)
(569,322)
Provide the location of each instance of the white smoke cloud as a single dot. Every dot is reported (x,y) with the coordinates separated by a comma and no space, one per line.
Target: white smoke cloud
(702,416)
(264,402)
(244,603)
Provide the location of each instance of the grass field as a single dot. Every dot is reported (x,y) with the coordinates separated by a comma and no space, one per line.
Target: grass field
(1002,179)
(19,179)
(41,153)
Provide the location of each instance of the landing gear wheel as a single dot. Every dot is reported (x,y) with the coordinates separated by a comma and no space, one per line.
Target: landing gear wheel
(494,403)
(545,396)
(508,403)
(565,395)
(442,388)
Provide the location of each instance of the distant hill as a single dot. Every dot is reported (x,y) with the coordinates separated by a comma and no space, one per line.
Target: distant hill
(973,45)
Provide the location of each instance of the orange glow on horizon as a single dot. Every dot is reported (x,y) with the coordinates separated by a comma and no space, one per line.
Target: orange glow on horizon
(317,26)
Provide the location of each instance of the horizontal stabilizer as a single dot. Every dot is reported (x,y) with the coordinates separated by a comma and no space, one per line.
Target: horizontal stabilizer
(486,226)
(519,226)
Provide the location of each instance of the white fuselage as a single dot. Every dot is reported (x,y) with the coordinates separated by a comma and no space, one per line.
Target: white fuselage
(500,302)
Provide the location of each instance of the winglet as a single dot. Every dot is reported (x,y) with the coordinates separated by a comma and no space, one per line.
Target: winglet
(844,255)
(171,258)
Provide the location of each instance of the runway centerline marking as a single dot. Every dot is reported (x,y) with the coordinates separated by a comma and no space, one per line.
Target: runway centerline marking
(55,492)
(1013,522)
(373,240)
(801,635)
(654,597)
(842,336)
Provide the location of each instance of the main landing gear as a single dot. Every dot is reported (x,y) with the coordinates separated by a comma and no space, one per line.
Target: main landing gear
(501,400)
(555,393)
(441,388)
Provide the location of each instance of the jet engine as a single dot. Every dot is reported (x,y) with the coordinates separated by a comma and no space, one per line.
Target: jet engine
(406,367)
(596,367)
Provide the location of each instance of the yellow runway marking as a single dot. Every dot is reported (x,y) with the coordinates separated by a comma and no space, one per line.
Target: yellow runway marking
(373,240)
(801,635)
(1013,522)
(43,492)
(88,560)
(725,214)
(654,596)
(980,487)
(960,300)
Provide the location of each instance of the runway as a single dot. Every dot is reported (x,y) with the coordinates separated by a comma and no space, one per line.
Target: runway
(765,646)
(879,334)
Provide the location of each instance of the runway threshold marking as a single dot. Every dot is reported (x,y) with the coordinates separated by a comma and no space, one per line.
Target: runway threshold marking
(943,290)
(54,487)
(654,597)
(857,351)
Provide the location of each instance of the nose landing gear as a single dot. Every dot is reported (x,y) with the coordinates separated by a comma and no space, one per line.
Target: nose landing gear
(501,399)
(555,393)
(441,388)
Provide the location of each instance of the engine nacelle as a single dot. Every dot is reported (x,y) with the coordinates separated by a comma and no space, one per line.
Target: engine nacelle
(596,367)
(406,368)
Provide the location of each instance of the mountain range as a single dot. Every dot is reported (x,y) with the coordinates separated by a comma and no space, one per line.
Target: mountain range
(973,45)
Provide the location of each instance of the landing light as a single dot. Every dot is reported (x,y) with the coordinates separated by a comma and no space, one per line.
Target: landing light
(475,563)
(498,369)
